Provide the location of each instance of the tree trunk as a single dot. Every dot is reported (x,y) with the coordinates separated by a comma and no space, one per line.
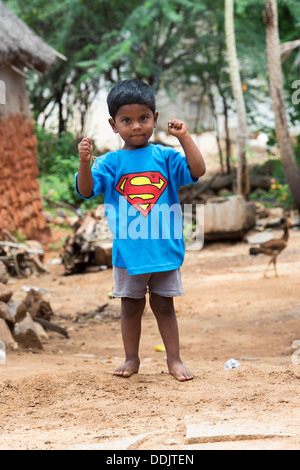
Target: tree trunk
(289,163)
(214,113)
(227,134)
(242,171)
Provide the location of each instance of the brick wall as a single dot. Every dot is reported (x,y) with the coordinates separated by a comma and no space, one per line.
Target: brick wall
(20,200)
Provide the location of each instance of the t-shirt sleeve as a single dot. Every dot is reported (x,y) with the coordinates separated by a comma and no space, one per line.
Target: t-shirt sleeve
(102,172)
(179,169)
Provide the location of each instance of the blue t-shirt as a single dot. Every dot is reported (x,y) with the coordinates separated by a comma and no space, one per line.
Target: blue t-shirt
(141,203)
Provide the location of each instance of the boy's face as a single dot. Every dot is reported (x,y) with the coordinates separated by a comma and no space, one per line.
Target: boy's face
(135,124)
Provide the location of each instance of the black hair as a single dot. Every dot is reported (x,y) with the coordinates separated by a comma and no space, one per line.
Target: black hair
(130,91)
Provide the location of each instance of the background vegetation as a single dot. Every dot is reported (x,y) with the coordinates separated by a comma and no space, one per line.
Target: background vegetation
(172,44)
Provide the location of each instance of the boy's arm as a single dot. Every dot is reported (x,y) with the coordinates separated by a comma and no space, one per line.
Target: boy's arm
(192,153)
(85,182)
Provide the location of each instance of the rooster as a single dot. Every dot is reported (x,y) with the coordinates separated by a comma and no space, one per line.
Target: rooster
(273,247)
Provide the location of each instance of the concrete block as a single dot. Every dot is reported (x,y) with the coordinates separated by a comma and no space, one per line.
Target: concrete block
(228,218)
(229,430)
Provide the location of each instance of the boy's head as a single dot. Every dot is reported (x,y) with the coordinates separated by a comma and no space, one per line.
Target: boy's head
(131,91)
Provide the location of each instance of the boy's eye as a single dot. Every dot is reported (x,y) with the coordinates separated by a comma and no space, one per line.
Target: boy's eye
(126,120)
(144,118)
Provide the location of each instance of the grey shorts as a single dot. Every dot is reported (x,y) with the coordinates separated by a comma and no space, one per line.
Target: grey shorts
(165,283)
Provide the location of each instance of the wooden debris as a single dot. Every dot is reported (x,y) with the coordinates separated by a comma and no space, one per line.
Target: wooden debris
(218,185)
(103,313)
(21,259)
(188,196)
(90,244)
(51,326)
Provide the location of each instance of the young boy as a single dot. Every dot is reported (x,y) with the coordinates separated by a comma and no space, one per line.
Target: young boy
(140,183)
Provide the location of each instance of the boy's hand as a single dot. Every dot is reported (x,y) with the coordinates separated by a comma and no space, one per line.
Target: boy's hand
(177,128)
(85,148)
(192,153)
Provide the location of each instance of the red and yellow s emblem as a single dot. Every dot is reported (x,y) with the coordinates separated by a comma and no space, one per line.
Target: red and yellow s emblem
(142,190)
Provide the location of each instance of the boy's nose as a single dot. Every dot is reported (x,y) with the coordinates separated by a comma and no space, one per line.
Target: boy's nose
(136,125)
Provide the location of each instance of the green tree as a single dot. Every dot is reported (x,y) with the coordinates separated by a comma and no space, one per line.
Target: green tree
(242,171)
(289,163)
(152,42)
(75,28)
(289,29)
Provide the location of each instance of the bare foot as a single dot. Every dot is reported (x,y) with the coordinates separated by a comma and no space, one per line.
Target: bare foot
(180,371)
(128,368)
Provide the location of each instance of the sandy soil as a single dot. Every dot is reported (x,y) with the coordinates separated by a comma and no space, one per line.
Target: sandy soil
(67,398)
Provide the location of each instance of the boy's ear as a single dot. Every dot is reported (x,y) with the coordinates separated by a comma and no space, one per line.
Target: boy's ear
(113,125)
(155,118)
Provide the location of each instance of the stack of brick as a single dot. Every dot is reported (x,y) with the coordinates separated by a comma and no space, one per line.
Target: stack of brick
(20,200)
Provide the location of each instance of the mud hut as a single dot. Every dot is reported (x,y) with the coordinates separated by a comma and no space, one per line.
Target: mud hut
(20,200)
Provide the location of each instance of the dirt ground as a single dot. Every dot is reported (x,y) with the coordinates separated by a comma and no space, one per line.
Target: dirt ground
(66,397)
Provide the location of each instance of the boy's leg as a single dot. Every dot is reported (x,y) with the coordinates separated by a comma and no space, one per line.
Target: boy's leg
(163,309)
(131,317)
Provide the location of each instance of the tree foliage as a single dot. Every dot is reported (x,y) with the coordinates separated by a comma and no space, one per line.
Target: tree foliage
(162,42)
(173,45)
(165,43)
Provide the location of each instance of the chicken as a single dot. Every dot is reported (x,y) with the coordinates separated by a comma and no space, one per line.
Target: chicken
(273,247)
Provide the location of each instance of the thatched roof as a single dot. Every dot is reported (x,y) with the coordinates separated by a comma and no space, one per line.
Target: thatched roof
(20,46)
(287,48)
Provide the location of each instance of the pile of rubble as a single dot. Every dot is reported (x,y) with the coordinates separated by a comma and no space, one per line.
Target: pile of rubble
(23,323)
(90,244)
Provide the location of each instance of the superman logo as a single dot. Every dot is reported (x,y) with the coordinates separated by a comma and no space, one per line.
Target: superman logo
(142,190)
